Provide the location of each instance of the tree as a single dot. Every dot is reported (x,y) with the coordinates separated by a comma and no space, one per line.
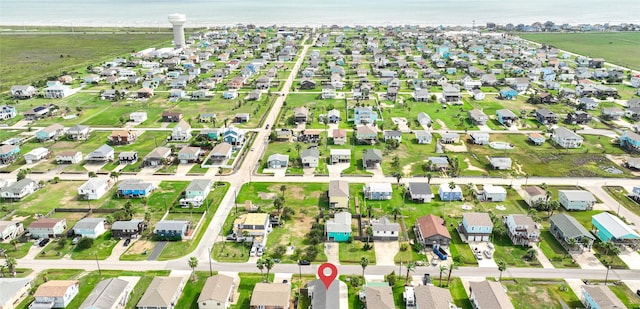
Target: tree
(364,262)
(499,230)
(147,216)
(397,176)
(268,264)
(260,266)
(11,264)
(449,275)
(391,278)
(411,267)
(278,203)
(93,175)
(369,231)
(452,185)
(14,242)
(531,253)
(193,263)
(502,266)
(22,174)
(553,206)
(283,188)
(298,146)
(84,243)
(128,209)
(395,162)
(442,269)
(395,212)
(114,175)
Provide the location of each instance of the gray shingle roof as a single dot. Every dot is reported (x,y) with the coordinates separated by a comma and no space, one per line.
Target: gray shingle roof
(106,293)
(569,226)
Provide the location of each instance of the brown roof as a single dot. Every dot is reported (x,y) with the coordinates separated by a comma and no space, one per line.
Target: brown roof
(271,295)
(216,288)
(339,133)
(45,223)
(54,288)
(536,135)
(534,191)
(120,132)
(431,225)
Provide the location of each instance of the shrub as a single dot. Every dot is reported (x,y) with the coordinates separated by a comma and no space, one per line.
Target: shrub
(85,243)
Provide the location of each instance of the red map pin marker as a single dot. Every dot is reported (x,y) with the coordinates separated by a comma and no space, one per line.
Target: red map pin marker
(327,278)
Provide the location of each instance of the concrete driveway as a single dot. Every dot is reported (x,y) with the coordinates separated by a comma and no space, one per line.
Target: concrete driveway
(386,251)
(631,258)
(587,260)
(485,262)
(336,169)
(157,250)
(331,250)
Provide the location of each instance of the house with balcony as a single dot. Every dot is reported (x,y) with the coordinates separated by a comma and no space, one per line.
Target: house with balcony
(366,134)
(449,194)
(181,132)
(23,92)
(566,229)
(431,230)
(94,188)
(7,112)
(157,157)
(630,141)
(419,191)
(78,132)
(36,155)
(478,117)
(52,132)
(122,137)
(475,226)
(546,117)
(364,115)
(506,117)
(47,228)
(10,230)
(378,191)
(565,138)
(90,227)
(171,229)
(134,188)
(521,229)
(384,229)
(55,294)
(9,153)
(127,229)
(19,189)
(608,227)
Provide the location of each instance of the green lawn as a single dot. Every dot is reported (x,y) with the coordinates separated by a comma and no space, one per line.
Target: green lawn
(459,294)
(554,251)
(19,252)
(101,248)
(512,255)
(409,255)
(351,253)
(191,291)
(460,252)
(628,297)
(529,293)
(620,46)
(620,195)
(245,288)
(224,251)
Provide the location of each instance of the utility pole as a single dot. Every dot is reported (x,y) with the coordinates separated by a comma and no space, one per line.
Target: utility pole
(97,262)
(607,275)
(210,267)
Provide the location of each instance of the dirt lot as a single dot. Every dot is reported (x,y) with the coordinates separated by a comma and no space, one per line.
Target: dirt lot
(140,246)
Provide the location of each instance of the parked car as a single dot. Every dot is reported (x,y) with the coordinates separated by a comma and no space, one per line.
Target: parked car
(127,242)
(260,252)
(488,254)
(304,262)
(75,240)
(478,255)
(253,252)
(638,293)
(490,245)
(43,242)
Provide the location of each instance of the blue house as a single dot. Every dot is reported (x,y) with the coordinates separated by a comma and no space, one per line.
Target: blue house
(508,93)
(338,229)
(599,296)
(506,117)
(448,194)
(630,141)
(443,51)
(134,188)
(51,132)
(610,228)
(548,74)
(171,229)
(233,136)
(7,112)
(476,226)
(9,153)
(364,115)
(378,191)
(451,70)
(211,134)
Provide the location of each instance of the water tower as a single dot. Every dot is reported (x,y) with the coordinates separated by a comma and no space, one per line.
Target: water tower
(178,20)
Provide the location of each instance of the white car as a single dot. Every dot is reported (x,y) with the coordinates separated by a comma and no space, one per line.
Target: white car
(478,255)
(488,254)
(253,251)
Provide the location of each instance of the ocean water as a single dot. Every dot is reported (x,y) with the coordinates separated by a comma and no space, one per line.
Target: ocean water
(313,13)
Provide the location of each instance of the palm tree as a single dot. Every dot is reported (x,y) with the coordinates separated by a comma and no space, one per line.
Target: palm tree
(268,264)
(552,206)
(502,266)
(411,267)
(452,185)
(128,209)
(397,176)
(404,192)
(450,271)
(364,262)
(395,212)
(283,188)
(193,263)
(531,253)
(369,209)
(278,203)
(298,146)
(260,265)
(114,175)
(11,264)
(429,178)
(369,231)
(442,269)
(14,242)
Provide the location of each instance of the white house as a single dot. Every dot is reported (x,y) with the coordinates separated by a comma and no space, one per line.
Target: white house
(10,230)
(385,229)
(567,139)
(36,155)
(69,157)
(93,189)
(90,227)
(138,117)
(181,132)
(493,193)
(112,293)
(218,292)
(522,229)
(14,291)
(19,189)
(55,294)
(576,199)
(47,228)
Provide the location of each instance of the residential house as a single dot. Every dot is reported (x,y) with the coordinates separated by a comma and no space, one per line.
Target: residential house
(476,226)
(448,194)
(10,230)
(536,138)
(364,115)
(421,95)
(7,112)
(309,136)
(196,192)
(138,117)
(588,103)
(450,138)
(55,294)
(36,155)
(608,227)
(339,136)
(392,134)
(134,188)
(310,157)
(233,136)
(301,114)
(158,156)
(328,91)
(122,137)
(47,228)
(384,229)
(488,295)
(220,153)
(112,293)
(545,116)
(277,160)
(78,132)
(599,296)
(270,296)
(371,158)
(491,193)
(253,224)
(218,292)
(127,229)
(566,139)
(171,229)
(420,191)
(338,229)
(339,194)
(168,116)
(378,191)
(333,116)
(451,93)
(340,156)
(576,199)
(430,296)
(506,117)
(508,93)
(424,119)
(479,138)
(612,113)
(37,113)
(9,153)
(423,137)
(478,117)
(190,155)
(578,117)
(377,297)
(566,229)
(90,227)
(366,134)
(500,163)
(241,117)
(181,132)
(51,132)
(128,157)
(325,297)
(547,98)
(93,189)
(431,230)
(521,229)
(162,293)
(211,134)
(19,189)
(14,291)
(57,91)
(478,95)
(534,196)
(22,92)
(630,140)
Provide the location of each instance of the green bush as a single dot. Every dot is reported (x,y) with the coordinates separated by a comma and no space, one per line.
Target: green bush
(85,243)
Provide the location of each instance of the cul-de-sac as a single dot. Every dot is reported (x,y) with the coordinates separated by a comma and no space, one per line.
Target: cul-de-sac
(436,167)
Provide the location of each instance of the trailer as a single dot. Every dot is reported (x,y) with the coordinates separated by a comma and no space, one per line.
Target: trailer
(440,252)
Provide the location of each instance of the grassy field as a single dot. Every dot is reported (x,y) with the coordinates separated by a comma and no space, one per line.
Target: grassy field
(351,253)
(29,58)
(615,47)
(525,293)
(245,288)
(554,251)
(628,297)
